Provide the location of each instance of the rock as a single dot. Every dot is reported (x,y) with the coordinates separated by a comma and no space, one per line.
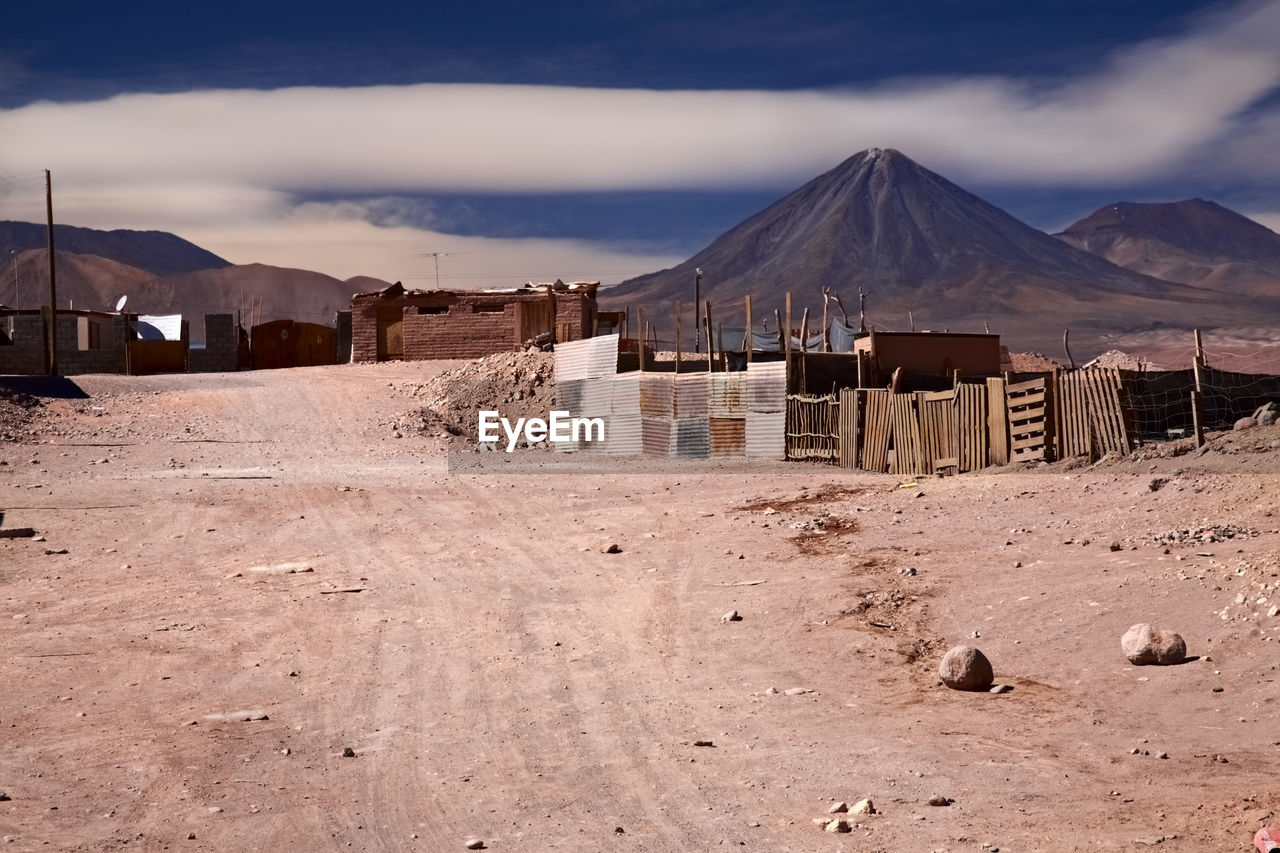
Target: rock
(840,824)
(939,800)
(4,797)
(838,808)
(863,807)
(1244,423)
(1267,418)
(348,752)
(796,691)
(731,616)
(611,548)
(1144,645)
(475,844)
(1001,688)
(965,668)
(772,691)
(1115,546)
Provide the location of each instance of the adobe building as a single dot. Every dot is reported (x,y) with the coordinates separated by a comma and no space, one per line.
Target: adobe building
(396,323)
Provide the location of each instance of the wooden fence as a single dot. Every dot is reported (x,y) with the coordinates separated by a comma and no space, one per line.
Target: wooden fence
(971,426)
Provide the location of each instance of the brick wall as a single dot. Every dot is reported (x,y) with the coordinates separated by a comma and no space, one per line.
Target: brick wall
(364,328)
(25,355)
(220,346)
(459,333)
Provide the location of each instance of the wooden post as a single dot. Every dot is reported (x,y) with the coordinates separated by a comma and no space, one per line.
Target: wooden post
(862,381)
(826,327)
(804,331)
(749,339)
(677,319)
(911,319)
(711,344)
(643,328)
(777,316)
(1198,364)
(786,341)
(53,280)
(626,321)
(1196,418)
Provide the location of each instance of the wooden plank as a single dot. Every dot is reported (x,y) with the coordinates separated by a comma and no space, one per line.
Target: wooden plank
(848,456)
(877,427)
(997,422)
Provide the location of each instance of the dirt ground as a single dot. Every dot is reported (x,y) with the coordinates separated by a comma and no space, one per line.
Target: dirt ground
(241,576)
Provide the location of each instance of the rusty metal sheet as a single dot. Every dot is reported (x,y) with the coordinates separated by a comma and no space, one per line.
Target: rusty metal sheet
(691,438)
(728,436)
(691,391)
(767,386)
(766,435)
(728,395)
(656,436)
(657,398)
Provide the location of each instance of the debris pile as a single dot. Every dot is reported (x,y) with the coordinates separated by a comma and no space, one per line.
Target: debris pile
(19,413)
(1205,534)
(516,385)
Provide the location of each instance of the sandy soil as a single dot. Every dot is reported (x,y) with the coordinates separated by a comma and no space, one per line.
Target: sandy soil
(187,655)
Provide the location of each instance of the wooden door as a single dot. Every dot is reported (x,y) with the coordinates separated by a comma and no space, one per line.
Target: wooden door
(390,334)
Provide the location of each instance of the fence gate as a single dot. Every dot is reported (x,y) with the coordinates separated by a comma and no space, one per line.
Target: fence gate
(813,427)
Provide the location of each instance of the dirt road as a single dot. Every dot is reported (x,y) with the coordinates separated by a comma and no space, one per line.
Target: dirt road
(258,576)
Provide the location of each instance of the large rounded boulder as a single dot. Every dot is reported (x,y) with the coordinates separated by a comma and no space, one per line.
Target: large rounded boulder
(966,668)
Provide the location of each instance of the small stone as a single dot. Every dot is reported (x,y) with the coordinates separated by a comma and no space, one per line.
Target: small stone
(348,752)
(191,836)
(1243,424)
(772,691)
(1134,751)
(796,691)
(1162,755)
(731,616)
(965,668)
(474,844)
(703,743)
(839,825)
(1001,688)
(838,808)
(863,807)
(1217,690)
(939,800)
(4,797)
(1144,645)
(1274,610)
(610,548)
(1115,546)
(617,830)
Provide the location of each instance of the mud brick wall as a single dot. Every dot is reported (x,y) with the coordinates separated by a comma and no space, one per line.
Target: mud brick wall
(459,333)
(578,312)
(220,346)
(25,355)
(73,361)
(364,328)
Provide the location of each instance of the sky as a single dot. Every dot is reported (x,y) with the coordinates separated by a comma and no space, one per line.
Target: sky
(492,144)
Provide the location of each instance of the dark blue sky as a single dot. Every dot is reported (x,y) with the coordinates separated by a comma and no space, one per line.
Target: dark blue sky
(90,51)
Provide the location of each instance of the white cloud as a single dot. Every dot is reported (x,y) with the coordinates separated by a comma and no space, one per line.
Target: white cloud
(227,165)
(1271,220)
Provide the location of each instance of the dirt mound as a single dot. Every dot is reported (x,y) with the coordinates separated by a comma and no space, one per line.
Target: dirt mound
(19,414)
(1032,362)
(1123,360)
(516,385)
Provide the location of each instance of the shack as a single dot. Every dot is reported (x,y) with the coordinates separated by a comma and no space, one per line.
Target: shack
(395,323)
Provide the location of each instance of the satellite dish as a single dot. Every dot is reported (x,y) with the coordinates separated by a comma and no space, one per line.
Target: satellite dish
(120,303)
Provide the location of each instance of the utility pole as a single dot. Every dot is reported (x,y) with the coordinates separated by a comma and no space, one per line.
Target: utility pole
(697,290)
(53,280)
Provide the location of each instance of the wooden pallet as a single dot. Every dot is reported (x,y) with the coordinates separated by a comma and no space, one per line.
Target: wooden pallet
(1030,430)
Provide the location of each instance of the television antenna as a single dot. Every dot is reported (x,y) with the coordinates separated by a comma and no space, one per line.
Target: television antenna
(436,256)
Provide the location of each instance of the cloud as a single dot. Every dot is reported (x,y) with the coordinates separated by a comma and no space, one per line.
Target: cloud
(229,164)
(1271,220)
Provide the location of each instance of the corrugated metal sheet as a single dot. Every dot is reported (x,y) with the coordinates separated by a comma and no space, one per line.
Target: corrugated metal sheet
(766,435)
(656,436)
(728,436)
(728,395)
(572,360)
(569,395)
(602,356)
(625,397)
(624,434)
(691,392)
(767,386)
(657,399)
(597,398)
(691,438)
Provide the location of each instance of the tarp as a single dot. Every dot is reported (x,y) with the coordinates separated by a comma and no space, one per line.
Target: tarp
(764,341)
(842,337)
(159,327)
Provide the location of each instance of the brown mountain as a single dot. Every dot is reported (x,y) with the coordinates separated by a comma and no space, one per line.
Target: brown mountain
(916,241)
(158,252)
(256,292)
(1194,242)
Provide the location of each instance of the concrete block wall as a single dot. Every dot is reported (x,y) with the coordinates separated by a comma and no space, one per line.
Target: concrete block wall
(220,346)
(73,361)
(25,356)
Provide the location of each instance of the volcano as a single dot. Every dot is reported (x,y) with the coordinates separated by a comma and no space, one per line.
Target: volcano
(916,242)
